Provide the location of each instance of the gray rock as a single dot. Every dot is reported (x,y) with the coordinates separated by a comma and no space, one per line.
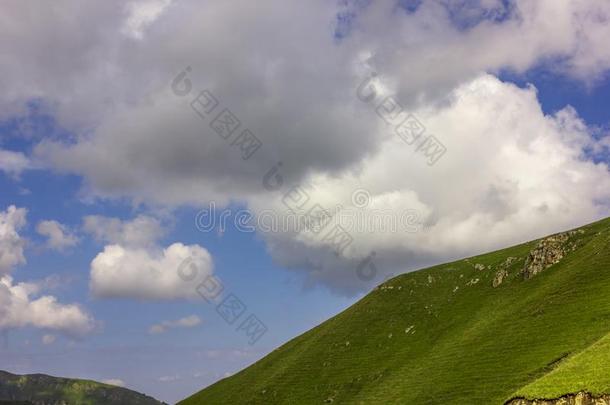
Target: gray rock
(582,398)
(548,252)
(499,278)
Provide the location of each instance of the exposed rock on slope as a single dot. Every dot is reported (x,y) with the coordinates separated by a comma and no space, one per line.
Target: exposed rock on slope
(499,278)
(548,252)
(582,398)
(502,273)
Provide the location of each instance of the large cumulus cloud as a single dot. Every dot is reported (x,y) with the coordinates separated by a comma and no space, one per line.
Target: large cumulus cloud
(510,174)
(282,68)
(133,264)
(173,273)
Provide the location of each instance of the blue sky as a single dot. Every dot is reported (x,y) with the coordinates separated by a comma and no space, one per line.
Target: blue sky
(94,138)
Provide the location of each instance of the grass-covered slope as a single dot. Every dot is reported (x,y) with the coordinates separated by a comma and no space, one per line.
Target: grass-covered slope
(42,389)
(444,335)
(588,371)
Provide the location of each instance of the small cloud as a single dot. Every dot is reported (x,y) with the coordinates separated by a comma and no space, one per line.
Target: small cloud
(11,243)
(48,339)
(114,381)
(13,163)
(142,231)
(187,322)
(141,14)
(228,354)
(169,378)
(59,236)
(157,329)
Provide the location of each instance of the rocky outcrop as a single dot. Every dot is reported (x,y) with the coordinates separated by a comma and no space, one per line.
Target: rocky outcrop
(472,282)
(502,272)
(548,252)
(499,278)
(582,398)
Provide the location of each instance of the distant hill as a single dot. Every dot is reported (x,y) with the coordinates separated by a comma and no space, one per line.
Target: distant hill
(16,402)
(40,389)
(528,322)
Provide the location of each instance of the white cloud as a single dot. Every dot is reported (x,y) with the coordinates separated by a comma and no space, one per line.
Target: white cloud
(21,304)
(172,273)
(187,322)
(13,163)
(143,231)
(159,149)
(141,14)
(169,378)
(59,236)
(133,265)
(11,243)
(114,381)
(18,309)
(48,339)
(229,354)
(510,173)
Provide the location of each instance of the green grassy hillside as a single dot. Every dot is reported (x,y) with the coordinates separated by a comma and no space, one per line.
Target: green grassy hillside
(588,371)
(445,335)
(43,389)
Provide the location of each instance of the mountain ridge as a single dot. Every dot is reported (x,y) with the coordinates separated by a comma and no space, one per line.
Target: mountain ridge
(43,389)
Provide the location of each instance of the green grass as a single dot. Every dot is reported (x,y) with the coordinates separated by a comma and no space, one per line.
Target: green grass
(473,345)
(586,371)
